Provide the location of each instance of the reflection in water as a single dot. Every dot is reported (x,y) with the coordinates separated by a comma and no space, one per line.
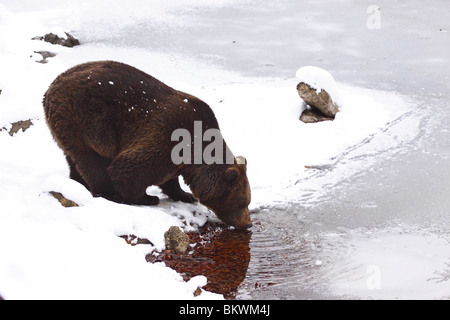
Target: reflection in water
(288,260)
(222,255)
(298,257)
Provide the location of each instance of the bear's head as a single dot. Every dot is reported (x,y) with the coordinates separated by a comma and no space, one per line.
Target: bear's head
(232,206)
(229,195)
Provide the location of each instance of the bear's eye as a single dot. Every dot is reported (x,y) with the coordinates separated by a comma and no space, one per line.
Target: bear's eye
(231,174)
(242,204)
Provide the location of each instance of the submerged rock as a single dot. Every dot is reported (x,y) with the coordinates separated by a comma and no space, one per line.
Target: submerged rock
(176,240)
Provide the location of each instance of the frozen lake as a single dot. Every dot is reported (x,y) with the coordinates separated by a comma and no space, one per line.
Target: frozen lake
(387,219)
(375,221)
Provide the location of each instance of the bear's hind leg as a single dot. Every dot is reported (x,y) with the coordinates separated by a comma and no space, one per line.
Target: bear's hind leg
(173,189)
(74,174)
(130,181)
(90,169)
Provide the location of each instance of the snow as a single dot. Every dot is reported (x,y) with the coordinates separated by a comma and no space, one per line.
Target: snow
(51,252)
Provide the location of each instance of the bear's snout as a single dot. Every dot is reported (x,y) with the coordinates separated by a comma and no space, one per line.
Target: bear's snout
(240,219)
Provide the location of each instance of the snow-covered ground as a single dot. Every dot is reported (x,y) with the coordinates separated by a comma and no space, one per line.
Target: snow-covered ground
(244,69)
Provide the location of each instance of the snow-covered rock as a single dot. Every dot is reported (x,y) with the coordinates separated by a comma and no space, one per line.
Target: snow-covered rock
(319,90)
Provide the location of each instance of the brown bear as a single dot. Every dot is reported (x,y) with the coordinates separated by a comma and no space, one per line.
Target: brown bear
(115,125)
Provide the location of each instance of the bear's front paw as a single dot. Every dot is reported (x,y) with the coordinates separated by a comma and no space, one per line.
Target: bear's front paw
(149,201)
(185,197)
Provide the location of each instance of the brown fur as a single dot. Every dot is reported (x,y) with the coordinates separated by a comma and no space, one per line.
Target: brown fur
(114,124)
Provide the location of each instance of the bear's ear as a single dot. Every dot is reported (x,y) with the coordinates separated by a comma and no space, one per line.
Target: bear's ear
(241,160)
(231,174)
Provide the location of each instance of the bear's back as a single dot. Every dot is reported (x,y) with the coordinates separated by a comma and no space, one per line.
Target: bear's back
(109,106)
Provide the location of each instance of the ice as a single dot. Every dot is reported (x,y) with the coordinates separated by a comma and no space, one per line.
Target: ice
(406,265)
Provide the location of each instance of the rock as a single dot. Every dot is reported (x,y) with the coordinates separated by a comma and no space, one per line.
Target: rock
(176,240)
(52,38)
(16,126)
(321,101)
(312,116)
(132,240)
(45,55)
(197,292)
(64,201)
